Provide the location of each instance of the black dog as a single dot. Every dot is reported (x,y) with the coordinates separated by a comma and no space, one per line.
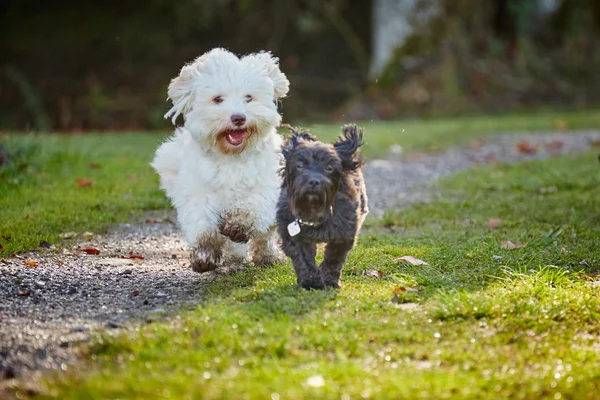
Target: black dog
(323,200)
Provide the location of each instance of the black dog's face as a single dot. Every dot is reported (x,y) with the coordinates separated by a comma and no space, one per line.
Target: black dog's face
(313,175)
(314,171)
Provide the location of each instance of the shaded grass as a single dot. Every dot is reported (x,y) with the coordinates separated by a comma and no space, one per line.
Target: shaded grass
(39,197)
(489,322)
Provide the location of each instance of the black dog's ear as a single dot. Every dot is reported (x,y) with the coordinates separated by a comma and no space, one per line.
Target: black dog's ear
(347,145)
(298,135)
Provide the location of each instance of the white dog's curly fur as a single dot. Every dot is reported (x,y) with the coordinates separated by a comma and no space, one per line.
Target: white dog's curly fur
(220,169)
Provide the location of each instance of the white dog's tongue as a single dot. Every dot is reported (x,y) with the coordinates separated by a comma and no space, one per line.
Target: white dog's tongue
(236,137)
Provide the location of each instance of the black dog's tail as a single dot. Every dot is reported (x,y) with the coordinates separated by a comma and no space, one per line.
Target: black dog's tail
(347,145)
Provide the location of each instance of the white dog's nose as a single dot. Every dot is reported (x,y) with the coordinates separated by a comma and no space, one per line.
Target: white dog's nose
(238,119)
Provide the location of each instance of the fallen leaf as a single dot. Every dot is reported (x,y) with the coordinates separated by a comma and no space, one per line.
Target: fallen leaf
(81,182)
(135,293)
(494,223)
(31,264)
(374,273)
(151,221)
(556,144)
(507,244)
(595,143)
(415,157)
(476,144)
(95,166)
(399,289)
(68,235)
(174,256)
(412,260)
(407,306)
(526,147)
(24,293)
(91,250)
(136,256)
(490,158)
(561,124)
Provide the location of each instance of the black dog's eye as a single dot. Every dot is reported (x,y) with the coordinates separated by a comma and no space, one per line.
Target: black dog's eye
(248,98)
(329,169)
(299,166)
(217,100)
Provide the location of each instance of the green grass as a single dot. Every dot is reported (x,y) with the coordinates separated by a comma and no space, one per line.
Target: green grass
(489,322)
(39,197)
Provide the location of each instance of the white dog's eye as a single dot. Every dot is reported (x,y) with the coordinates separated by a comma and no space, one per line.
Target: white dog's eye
(248,98)
(217,100)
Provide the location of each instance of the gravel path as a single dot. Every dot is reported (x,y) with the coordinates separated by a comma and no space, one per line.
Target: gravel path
(52,299)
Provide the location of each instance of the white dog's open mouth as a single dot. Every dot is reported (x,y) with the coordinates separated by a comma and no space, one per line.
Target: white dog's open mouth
(235,137)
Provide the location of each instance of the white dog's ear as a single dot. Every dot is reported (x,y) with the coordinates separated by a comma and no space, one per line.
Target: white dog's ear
(181,91)
(270,65)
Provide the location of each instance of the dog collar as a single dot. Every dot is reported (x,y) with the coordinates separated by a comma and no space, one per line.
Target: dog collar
(296,225)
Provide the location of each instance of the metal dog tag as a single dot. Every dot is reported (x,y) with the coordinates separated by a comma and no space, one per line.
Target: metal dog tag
(293,228)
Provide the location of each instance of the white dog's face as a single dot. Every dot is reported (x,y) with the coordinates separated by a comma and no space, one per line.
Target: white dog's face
(226,101)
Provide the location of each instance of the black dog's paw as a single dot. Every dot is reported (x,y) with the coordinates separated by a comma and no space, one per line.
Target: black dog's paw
(236,231)
(333,284)
(311,284)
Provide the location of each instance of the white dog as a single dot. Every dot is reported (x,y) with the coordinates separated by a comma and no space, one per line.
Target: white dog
(220,169)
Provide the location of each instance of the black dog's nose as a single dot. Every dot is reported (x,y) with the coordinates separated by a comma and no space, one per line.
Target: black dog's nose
(238,119)
(314,183)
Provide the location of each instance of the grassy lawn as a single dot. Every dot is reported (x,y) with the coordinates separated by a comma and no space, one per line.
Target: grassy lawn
(480,321)
(40,197)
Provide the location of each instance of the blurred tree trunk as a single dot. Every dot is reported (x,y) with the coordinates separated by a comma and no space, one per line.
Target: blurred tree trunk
(391,27)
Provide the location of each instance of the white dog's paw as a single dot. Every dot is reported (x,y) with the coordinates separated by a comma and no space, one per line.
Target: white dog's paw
(266,260)
(236,226)
(203,261)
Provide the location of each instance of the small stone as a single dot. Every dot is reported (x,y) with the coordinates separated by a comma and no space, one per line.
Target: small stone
(126,272)
(71,290)
(8,372)
(46,245)
(112,325)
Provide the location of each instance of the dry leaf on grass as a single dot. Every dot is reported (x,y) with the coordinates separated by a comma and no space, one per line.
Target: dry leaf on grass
(374,273)
(412,260)
(24,293)
(494,223)
(31,264)
(561,124)
(507,244)
(91,250)
(556,144)
(526,147)
(81,182)
(95,166)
